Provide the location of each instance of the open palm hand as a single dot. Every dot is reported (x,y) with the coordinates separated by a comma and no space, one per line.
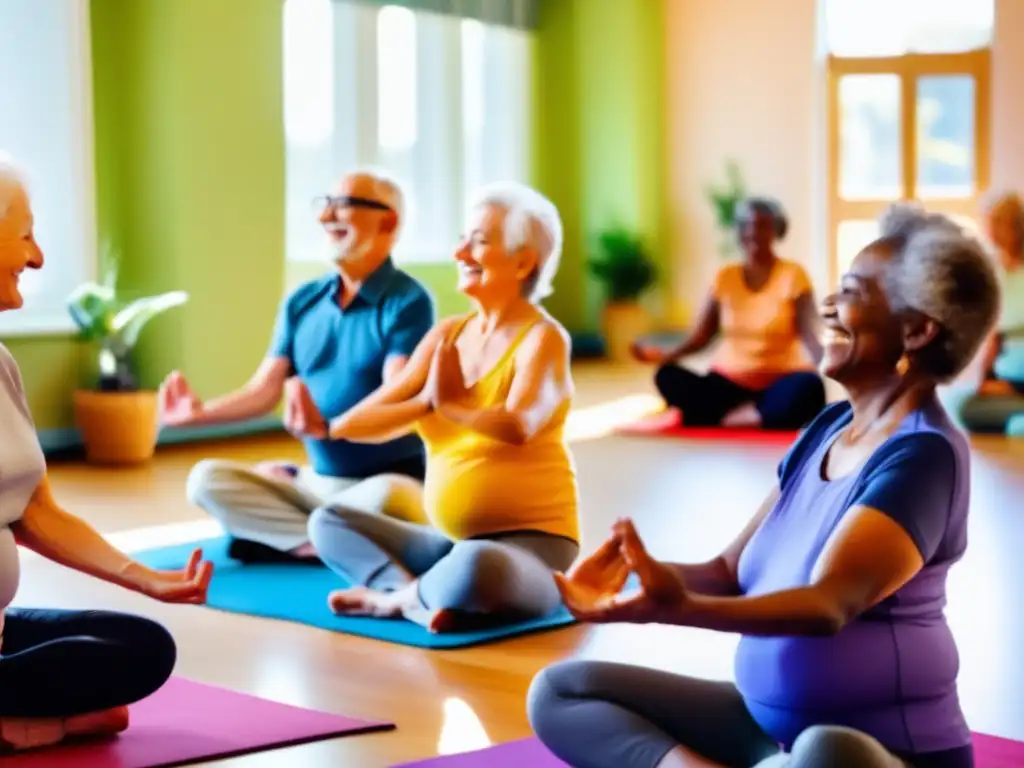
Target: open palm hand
(186,585)
(595,580)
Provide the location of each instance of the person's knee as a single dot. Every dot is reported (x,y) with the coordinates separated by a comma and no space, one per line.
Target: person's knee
(549,690)
(203,480)
(324,525)
(664,376)
(833,746)
(154,651)
(482,574)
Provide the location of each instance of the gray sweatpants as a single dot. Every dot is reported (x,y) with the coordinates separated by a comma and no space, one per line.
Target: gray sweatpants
(276,513)
(595,714)
(510,575)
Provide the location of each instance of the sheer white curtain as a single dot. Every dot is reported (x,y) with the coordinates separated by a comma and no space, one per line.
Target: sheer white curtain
(438,102)
(46,129)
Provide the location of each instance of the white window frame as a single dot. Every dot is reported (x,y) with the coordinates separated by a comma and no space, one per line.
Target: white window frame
(439,126)
(55,320)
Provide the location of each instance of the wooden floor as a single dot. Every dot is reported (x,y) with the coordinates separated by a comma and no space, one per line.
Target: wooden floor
(689,499)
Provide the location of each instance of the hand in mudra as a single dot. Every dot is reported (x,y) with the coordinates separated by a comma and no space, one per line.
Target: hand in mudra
(187,585)
(647,353)
(301,416)
(661,591)
(178,405)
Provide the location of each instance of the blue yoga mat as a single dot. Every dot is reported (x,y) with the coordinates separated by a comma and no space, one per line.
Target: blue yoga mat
(298,592)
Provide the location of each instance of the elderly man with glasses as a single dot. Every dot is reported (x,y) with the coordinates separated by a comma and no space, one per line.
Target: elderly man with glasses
(337,339)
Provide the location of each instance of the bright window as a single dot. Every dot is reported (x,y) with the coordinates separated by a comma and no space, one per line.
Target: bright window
(908,115)
(46,129)
(439,103)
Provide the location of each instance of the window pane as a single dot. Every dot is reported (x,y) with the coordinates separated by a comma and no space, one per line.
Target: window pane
(396,79)
(308,71)
(870,155)
(473,94)
(945,137)
(851,237)
(896,27)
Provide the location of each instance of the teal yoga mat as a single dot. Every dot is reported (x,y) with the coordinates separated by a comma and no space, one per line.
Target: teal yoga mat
(298,592)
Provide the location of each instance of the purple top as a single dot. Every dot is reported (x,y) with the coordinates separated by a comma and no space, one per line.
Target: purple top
(891,672)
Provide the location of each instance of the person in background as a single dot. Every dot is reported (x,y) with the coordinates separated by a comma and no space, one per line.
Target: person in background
(64,673)
(762,310)
(337,339)
(490,393)
(837,585)
(992,390)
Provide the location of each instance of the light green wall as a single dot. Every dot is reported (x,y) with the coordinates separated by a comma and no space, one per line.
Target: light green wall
(600,134)
(190,165)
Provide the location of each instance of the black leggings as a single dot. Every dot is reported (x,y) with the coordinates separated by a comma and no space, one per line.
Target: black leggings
(57,663)
(791,402)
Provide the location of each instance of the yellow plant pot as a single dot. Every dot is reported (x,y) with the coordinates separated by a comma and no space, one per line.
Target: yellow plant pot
(625,322)
(117,427)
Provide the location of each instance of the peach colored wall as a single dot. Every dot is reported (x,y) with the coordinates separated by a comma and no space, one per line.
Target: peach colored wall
(745,80)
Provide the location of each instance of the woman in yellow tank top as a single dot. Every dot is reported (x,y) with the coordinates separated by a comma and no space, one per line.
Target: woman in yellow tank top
(489,394)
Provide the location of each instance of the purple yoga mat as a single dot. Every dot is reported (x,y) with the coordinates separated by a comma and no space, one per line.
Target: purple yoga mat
(186,721)
(989,752)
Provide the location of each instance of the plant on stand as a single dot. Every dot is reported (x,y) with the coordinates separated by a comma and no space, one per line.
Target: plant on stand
(724,201)
(117,419)
(627,272)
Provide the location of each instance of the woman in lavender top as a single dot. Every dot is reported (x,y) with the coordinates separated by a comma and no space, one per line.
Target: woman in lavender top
(837,585)
(64,673)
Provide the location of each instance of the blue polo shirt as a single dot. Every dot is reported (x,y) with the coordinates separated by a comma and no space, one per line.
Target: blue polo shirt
(339,354)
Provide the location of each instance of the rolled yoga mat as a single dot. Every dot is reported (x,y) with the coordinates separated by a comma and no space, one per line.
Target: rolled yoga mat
(666,424)
(187,722)
(989,752)
(298,592)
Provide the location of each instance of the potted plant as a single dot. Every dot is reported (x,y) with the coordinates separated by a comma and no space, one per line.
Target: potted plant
(625,269)
(724,201)
(117,420)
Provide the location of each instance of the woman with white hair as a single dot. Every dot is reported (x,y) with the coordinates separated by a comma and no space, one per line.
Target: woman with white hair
(837,585)
(64,673)
(489,394)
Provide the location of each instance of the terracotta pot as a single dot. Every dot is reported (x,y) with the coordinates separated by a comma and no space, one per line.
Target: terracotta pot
(117,427)
(625,322)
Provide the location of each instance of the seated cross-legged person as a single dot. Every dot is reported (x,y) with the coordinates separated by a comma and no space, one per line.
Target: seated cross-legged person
(837,585)
(762,312)
(489,393)
(64,673)
(337,340)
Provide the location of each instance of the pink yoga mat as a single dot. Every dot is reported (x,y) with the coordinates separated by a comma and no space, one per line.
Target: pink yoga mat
(185,722)
(989,752)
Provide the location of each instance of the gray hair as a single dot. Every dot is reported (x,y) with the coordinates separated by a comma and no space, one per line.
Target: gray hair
(748,208)
(946,274)
(385,190)
(12,184)
(530,219)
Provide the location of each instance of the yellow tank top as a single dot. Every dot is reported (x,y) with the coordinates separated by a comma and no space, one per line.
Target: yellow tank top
(478,486)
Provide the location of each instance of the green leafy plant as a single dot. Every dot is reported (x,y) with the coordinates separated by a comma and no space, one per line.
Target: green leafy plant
(724,200)
(105,317)
(623,265)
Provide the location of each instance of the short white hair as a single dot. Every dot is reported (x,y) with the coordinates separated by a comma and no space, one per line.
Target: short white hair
(530,219)
(945,273)
(12,184)
(385,190)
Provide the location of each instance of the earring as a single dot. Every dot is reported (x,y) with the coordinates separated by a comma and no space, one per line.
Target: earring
(903,365)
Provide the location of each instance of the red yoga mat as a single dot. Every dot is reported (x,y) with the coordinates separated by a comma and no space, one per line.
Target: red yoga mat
(185,722)
(666,424)
(989,752)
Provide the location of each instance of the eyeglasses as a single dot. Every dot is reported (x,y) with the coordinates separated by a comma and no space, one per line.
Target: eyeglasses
(346,201)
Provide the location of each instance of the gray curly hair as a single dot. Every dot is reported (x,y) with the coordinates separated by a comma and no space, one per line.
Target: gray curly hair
(749,207)
(946,274)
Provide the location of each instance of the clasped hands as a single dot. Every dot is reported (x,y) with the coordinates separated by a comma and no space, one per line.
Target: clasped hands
(445,381)
(592,589)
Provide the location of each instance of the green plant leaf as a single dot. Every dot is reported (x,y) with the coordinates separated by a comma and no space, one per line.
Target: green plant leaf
(129,322)
(622,264)
(92,308)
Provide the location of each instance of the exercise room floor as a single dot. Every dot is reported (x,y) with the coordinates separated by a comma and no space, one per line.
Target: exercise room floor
(688,498)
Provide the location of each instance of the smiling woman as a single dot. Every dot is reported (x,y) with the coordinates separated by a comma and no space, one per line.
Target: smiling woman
(837,583)
(64,673)
(489,393)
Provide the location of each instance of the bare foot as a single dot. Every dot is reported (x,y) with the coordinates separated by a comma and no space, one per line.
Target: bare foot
(107,721)
(745,415)
(443,621)
(363,601)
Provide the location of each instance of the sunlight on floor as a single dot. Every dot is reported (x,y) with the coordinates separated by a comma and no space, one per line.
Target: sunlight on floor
(603,419)
(137,539)
(462,730)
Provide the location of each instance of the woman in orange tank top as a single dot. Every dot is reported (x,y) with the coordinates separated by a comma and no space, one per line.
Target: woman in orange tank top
(762,312)
(489,394)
